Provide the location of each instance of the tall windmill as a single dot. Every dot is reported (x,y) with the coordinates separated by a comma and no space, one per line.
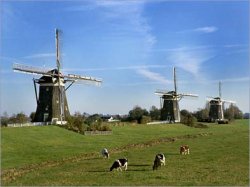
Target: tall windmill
(170,110)
(216,107)
(52,105)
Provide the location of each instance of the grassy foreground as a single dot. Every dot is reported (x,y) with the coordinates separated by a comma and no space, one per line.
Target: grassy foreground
(51,155)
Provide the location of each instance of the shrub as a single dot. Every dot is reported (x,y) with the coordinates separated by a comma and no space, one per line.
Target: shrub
(76,123)
(105,128)
(188,120)
(136,114)
(145,119)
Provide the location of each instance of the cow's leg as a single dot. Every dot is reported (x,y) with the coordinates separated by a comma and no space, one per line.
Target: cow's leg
(126,166)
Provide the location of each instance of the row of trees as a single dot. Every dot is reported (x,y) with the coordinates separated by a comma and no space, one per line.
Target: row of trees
(15,118)
(140,115)
(230,113)
(136,115)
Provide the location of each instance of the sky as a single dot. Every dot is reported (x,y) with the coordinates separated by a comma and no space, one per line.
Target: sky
(132,46)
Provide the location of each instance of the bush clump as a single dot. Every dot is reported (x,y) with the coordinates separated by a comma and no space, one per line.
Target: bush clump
(79,123)
(145,119)
(188,120)
(76,124)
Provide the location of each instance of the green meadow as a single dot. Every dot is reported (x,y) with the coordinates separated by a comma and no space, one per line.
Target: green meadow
(50,155)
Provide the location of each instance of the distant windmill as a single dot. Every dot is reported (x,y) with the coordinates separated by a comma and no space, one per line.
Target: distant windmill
(170,110)
(216,107)
(52,104)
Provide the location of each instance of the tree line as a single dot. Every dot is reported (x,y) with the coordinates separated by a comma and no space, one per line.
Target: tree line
(136,115)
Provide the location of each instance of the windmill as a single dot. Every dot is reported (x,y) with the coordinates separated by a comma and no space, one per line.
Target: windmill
(170,111)
(216,107)
(52,105)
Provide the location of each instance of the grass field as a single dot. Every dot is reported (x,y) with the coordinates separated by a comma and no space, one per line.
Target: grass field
(50,155)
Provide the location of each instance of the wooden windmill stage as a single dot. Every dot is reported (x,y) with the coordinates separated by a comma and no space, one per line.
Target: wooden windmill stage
(170,111)
(52,105)
(216,113)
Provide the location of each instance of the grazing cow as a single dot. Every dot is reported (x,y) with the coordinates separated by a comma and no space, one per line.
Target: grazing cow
(119,164)
(184,149)
(159,161)
(105,153)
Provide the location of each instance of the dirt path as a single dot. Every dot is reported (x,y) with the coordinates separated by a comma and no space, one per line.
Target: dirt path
(12,174)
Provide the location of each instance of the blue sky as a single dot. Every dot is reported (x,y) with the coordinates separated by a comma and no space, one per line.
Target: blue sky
(132,46)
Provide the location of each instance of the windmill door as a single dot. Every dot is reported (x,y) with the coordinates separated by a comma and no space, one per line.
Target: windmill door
(45,117)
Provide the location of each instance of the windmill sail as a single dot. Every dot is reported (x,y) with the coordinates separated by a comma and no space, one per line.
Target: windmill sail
(30,69)
(61,89)
(175,85)
(52,102)
(216,104)
(170,110)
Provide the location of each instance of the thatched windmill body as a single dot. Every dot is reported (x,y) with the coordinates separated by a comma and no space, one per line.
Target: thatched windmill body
(216,106)
(52,105)
(170,111)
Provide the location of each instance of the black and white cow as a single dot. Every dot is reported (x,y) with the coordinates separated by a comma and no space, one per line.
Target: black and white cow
(105,153)
(119,164)
(159,161)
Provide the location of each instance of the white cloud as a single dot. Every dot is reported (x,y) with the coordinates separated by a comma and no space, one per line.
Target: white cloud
(153,76)
(126,18)
(231,80)
(205,30)
(208,29)
(118,68)
(130,13)
(10,59)
(40,55)
(189,60)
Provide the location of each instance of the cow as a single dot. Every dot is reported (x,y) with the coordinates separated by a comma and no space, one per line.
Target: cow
(184,149)
(119,164)
(105,153)
(159,161)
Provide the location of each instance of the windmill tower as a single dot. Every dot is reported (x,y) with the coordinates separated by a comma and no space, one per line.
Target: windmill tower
(170,110)
(52,105)
(216,107)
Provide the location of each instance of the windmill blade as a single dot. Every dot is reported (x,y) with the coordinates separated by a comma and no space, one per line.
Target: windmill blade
(30,69)
(228,101)
(220,89)
(57,32)
(175,82)
(188,95)
(162,92)
(82,79)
